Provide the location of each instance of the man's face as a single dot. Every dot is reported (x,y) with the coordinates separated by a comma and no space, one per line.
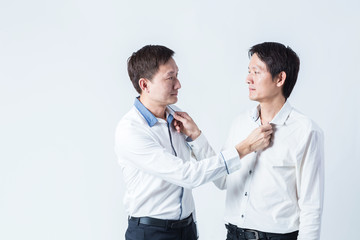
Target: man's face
(163,88)
(262,88)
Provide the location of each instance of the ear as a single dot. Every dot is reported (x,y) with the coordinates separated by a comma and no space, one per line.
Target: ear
(281,79)
(143,84)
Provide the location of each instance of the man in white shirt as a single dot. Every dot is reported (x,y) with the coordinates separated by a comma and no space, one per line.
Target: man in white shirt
(162,159)
(278,194)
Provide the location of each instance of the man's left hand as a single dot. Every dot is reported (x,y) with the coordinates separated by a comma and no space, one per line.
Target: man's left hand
(185,124)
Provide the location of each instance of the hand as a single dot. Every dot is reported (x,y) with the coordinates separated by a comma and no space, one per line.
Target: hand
(257,140)
(184,123)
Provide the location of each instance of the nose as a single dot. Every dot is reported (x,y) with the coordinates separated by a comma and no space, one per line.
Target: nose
(249,79)
(177,84)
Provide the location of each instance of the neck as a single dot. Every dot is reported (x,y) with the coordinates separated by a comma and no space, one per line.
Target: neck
(156,109)
(269,109)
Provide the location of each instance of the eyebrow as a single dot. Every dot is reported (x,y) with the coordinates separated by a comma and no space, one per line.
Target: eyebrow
(171,72)
(256,66)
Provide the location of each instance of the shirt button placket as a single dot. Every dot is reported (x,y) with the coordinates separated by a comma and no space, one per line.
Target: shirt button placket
(246,194)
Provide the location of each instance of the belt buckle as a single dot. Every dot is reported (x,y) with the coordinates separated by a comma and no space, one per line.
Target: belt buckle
(255,233)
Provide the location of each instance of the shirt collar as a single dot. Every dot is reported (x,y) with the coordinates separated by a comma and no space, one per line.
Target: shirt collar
(149,117)
(279,119)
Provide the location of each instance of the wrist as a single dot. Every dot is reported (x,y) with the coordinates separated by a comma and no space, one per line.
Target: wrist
(243,149)
(195,135)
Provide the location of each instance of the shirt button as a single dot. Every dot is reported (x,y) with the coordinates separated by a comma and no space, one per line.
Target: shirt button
(246,194)
(250,172)
(242,216)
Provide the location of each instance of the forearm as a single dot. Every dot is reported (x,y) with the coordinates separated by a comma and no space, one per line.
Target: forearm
(310,224)
(311,190)
(201,148)
(191,174)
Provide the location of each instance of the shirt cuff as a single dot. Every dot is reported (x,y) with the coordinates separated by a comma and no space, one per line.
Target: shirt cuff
(199,142)
(250,157)
(231,160)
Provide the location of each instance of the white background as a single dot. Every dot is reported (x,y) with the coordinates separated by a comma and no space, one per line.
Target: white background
(64,87)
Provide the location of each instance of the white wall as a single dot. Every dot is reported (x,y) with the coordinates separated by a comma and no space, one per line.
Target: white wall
(64,86)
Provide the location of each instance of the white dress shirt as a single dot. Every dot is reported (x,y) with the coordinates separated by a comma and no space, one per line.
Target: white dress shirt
(281,190)
(159,165)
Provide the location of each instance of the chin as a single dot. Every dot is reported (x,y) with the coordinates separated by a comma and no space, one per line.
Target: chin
(252,98)
(173,100)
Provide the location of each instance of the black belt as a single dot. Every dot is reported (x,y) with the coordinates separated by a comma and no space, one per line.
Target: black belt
(248,234)
(163,223)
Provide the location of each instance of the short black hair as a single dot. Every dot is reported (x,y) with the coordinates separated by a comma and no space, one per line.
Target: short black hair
(145,63)
(279,58)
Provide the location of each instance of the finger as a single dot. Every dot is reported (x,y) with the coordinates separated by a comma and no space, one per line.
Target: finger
(266,127)
(177,129)
(268,133)
(184,115)
(179,116)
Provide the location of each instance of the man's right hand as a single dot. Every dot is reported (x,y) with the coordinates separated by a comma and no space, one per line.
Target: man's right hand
(257,140)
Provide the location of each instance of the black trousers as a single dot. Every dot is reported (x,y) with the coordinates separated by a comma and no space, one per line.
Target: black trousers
(235,233)
(140,231)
